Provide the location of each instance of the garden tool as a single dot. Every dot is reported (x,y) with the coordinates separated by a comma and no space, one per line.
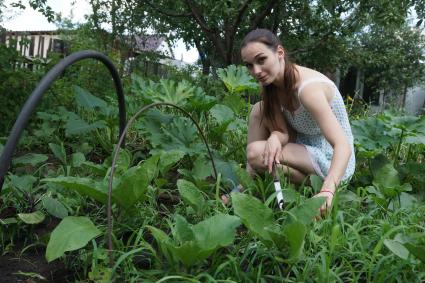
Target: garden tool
(277,187)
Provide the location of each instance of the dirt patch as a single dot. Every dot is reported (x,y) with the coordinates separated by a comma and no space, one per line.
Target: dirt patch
(31,268)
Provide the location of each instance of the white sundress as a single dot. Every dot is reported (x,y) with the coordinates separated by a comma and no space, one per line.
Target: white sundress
(310,135)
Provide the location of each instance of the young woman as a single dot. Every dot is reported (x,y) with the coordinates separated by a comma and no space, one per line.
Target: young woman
(319,139)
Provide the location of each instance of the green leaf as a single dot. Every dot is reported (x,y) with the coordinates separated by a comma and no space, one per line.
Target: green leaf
(58,151)
(316,183)
(55,207)
(168,159)
(202,168)
(216,231)
(226,167)
(236,103)
(165,91)
(295,233)
(195,243)
(385,175)
(371,135)
(416,250)
(30,158)
(237,79)
(191,195)
(163,241)
(244,178)
(254,214)
(222,113)
(32,218)
(279,238)
(77,126)
(78,159)
(23,183)
(306,212)
(182,230)
(397,248)
(71,234)
(179,134)
(132,186)
(201,240)
(84,186)
(87,100)
(7,221)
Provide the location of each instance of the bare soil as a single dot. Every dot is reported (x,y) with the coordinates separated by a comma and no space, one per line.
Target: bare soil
(31,267)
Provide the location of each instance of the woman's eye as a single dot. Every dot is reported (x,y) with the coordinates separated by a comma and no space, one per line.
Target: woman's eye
(248,65)
(261,60)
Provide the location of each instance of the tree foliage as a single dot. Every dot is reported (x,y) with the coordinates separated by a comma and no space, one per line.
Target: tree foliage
(308,29)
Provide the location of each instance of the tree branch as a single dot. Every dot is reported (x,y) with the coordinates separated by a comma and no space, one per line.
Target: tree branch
(240,13)
(262,15)
(197,14)
(168,13)
(212,34)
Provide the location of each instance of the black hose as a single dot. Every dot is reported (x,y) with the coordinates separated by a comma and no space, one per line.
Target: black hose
(37,94)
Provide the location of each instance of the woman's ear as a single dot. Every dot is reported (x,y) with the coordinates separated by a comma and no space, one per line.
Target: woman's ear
(280,51)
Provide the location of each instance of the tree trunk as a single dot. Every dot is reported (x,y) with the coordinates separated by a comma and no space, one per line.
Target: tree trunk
(403,102)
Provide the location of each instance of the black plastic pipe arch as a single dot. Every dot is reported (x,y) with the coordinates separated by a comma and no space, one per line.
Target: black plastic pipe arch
(35,98)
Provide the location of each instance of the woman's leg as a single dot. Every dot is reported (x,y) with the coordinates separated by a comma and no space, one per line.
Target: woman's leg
(257,130)
(294,156)
(294,160)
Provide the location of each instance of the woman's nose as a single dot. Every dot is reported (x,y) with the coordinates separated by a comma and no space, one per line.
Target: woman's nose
(256,70)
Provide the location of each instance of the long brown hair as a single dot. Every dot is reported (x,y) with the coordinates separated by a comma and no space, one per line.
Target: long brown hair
(271,102)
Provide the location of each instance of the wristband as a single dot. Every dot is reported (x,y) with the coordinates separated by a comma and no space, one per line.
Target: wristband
(327,191)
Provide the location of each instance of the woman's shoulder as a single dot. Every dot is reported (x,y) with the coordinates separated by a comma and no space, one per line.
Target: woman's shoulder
(313,83)
(306,75)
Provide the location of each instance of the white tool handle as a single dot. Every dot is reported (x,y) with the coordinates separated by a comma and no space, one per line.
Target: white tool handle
(279,194)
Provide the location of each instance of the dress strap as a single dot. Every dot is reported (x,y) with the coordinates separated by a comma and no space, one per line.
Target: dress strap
(314,80)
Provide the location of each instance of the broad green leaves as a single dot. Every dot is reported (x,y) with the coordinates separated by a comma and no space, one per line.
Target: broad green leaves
(375,134)
(30,158)
(77,126)
(254,214)
(259,219)
(168,133)
(54,207)
(194,243)
(405,245)
(237,79)
(191,195)
(71,234)
(306,211)
(84,186)
(132,186)
(370,135)
(128,188)
(397,248)
(87,100)
(180,93)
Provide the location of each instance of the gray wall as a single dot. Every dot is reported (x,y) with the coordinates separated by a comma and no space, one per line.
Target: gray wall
(415,98)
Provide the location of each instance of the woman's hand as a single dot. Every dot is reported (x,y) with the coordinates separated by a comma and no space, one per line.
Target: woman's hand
(272,151)
(327,191)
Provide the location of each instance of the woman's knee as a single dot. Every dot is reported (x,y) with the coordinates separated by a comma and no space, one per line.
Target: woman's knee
(254,154)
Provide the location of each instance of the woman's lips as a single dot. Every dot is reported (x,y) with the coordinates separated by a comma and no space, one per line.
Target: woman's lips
(262,79)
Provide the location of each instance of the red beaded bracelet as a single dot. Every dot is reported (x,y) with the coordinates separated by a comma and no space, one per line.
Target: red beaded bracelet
(327,191)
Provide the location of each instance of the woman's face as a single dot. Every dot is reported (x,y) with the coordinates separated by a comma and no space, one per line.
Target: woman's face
(264,64)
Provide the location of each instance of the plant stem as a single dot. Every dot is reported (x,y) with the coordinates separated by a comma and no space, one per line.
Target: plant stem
(396,156)
(217,187)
